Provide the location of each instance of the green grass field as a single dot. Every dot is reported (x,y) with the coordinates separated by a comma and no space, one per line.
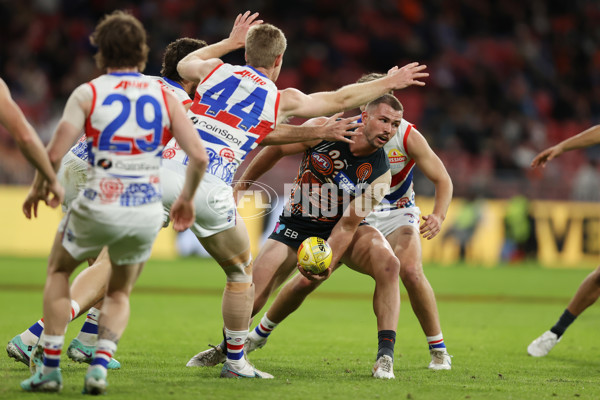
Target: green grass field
(326,349)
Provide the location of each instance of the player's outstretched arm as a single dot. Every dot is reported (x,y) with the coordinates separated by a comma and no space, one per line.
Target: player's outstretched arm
(344,230)
(333,129)
(28,141)
(433,168)
(295,103)
(587,138)
(198,64)
(182,210)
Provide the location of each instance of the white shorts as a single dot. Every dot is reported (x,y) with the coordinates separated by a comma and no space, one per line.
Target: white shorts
(215,206)
(388,221)
(72,175)
(129,232)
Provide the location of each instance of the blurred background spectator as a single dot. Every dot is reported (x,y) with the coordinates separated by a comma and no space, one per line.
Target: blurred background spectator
(508,78)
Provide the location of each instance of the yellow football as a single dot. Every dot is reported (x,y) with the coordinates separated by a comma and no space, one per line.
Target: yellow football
(314,254)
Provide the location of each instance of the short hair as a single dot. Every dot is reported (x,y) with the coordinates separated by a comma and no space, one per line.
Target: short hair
(388,99)
(121,42)
(264,43)
(371,76)
(174,52)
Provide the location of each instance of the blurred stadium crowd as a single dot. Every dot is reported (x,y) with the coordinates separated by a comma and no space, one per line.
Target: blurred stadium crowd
(508,78)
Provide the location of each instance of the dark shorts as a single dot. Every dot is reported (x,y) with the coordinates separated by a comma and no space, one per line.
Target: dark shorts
(292,232)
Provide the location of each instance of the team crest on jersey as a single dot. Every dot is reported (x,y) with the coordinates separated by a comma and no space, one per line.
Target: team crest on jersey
(322,163)
(396,156)
(363,172)
(402,202)
(110,190)
(227,154)
(168,154)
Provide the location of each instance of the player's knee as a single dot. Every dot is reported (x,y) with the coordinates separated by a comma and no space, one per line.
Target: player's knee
(411,274)
(239,272)
(387,268)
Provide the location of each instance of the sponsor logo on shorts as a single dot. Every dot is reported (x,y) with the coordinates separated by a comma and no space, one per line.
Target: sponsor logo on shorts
(279,227)
(411,217)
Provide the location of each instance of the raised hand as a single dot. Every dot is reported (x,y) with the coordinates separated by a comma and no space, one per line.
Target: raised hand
(336,129)
(408,75)
(242,24)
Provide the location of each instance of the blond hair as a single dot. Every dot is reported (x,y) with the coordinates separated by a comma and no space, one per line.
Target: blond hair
(264,43)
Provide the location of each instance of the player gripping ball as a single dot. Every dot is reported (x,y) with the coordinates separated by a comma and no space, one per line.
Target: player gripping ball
(314,255)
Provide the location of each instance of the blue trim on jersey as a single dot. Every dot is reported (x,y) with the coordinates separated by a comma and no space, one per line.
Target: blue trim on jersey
(398,193)
(207,137)
(173,83)
(124,74)
(258,72)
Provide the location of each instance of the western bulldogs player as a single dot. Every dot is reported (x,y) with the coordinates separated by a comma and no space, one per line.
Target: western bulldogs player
(126,117)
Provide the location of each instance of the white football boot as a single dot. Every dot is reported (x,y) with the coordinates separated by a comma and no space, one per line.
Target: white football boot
(208,358)
(543,344)
(440,360)
(383,368)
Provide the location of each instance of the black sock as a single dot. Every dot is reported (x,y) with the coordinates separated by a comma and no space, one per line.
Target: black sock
(387,340)
(563,323)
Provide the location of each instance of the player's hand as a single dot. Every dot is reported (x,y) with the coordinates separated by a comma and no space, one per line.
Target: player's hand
(242,24)
(30,205)
(315,277)
(408,75)
(182,214)
(431,226)
(55,195)
(336,129)
(550,153)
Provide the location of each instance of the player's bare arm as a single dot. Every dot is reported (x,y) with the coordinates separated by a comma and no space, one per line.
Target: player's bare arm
(589,137)
(346,227)
(334,129)
(295,103)
(198,64)
(182,211)
(433,168)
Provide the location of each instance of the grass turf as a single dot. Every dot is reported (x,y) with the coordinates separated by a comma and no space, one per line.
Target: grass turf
(326,349)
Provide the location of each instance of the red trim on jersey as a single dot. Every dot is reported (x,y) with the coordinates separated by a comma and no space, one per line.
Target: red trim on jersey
(276,107)
(399,177)
(211,72)
(93,97)
(405,139)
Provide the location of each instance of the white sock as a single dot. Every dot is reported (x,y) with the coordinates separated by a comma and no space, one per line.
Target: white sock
(262,331)
(235,347)
(52,349)
(88,336)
